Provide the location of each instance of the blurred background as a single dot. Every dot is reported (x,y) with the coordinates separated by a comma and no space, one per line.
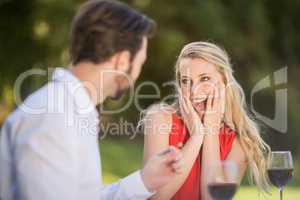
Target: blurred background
(261,37)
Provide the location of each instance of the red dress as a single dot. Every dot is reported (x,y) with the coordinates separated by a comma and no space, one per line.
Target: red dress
(179,135)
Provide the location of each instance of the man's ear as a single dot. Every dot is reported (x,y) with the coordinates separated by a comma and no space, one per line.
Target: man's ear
(121,61)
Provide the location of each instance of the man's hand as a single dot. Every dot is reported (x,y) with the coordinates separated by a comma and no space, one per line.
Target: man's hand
(161,168)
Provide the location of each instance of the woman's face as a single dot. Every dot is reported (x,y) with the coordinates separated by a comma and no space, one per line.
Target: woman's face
(197,79)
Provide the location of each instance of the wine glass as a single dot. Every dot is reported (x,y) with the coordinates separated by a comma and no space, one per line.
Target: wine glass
(280,170)
(223,180)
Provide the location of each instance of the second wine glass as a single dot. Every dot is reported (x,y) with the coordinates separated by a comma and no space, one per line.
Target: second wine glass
(280,170)
(223,180)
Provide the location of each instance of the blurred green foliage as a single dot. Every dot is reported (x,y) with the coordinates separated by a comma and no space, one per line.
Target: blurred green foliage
(261,36)
(129,153)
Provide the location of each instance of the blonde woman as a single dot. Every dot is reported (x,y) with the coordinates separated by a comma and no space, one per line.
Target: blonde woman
(209,123)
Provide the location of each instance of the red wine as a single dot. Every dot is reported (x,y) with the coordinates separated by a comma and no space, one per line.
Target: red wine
(280,177)
(222,191)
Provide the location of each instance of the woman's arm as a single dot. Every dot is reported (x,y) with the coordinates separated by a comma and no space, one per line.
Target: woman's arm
(157,129)
(211,153)
(211,145)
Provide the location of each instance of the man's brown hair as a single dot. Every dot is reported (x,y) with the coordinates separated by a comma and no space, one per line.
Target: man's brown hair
(102,28)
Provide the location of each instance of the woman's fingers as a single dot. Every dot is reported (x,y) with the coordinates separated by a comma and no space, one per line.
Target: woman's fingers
(184,107)
(181,98)
(222,98)
(181,102)
(215,102)
(189,114)
(190,106)
(215,106)
(219,99)
(209,101)
(218,102)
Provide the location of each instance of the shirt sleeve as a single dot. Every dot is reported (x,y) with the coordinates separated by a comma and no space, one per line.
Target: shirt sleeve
(45,160)
(47,165)
(131,187)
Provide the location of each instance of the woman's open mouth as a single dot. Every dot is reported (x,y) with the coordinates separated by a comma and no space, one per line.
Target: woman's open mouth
(200,105)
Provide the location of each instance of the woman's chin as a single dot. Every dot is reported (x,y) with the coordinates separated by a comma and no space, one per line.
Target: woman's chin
(201,113)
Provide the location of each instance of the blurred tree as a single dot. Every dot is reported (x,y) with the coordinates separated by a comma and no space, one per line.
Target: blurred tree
(261,36)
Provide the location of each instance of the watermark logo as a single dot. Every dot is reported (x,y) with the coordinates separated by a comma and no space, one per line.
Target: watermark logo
(279,122)
(64,94)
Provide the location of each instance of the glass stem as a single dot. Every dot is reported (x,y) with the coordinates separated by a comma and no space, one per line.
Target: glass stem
(281,193)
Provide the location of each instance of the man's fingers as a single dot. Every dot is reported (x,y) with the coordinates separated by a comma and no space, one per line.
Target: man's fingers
(170,155)
(166,151)
(177,166)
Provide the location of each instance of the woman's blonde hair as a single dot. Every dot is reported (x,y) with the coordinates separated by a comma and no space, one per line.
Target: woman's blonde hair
(236,115)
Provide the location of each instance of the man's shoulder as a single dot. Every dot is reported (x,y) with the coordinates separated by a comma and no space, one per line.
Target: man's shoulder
(49,98)
(46,103)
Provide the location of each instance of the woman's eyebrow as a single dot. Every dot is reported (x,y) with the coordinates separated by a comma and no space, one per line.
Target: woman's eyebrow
(185,76)
(203,74)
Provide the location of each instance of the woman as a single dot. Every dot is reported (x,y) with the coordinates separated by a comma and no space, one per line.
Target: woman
(209,123)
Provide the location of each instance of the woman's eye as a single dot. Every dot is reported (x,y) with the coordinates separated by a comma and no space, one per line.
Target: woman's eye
(205,78)
(186,81)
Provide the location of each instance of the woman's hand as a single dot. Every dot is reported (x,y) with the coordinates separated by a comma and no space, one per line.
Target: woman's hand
(215,107)
(190,116)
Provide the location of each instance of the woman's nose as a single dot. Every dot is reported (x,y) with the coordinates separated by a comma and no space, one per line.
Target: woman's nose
(196,92)
(200,90)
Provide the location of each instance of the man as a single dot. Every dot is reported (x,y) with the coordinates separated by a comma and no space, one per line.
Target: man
(49,144)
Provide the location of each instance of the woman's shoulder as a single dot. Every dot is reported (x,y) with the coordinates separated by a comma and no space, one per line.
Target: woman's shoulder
(161,111)
(159,117)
